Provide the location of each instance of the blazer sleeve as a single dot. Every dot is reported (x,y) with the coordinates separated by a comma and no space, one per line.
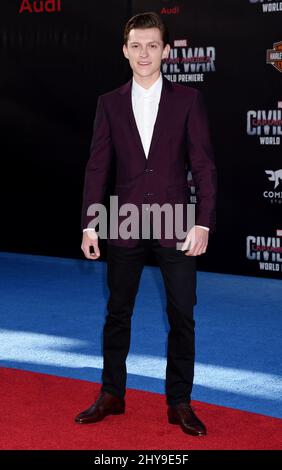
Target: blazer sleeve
(202,163)
(99,164)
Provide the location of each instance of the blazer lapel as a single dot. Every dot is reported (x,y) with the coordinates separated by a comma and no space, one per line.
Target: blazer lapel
(162,115)
(161,119)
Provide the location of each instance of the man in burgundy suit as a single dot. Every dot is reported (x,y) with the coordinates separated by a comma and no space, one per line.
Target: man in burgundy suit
(155,132)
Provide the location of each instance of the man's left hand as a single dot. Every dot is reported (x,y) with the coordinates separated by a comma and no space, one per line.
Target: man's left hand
(196,241)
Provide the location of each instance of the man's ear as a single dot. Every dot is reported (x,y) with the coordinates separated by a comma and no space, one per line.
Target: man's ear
(166,51)
(125,52)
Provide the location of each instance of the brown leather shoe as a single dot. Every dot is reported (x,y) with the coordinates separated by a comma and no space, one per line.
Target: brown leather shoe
(183,415)
(105,405)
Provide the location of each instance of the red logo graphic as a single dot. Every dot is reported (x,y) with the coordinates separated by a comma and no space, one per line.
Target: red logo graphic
(170,11)
(42,6)
(274,56)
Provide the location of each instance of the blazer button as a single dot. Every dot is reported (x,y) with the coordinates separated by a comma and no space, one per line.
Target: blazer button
(149,170)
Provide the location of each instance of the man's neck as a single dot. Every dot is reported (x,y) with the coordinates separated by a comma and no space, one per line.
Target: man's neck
(146,82)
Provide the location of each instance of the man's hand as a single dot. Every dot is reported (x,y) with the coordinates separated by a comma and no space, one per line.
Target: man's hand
(196,241)
(90,239)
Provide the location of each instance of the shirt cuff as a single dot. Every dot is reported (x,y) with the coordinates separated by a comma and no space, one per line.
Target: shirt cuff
(88,229)
(205,228)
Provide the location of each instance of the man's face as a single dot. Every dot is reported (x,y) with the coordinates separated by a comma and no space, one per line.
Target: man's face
(145,51)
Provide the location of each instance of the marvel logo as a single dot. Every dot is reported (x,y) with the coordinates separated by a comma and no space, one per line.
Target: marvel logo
(180,43)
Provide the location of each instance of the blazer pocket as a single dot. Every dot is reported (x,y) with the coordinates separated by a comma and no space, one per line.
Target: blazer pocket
(181,188)
(120,189)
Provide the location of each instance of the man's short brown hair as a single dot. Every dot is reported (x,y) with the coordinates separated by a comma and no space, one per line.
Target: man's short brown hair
(146,20)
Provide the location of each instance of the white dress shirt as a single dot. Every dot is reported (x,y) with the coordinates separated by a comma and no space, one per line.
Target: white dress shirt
(145,104)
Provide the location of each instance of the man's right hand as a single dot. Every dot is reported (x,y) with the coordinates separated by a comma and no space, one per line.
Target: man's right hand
(90,239)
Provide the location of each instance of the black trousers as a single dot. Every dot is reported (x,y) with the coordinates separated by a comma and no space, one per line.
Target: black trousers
(124,270)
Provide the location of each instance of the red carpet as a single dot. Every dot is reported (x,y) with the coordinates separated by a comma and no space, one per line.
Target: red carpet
(37,413)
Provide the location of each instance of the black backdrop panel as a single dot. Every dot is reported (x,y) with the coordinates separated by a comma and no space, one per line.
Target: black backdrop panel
(53,67)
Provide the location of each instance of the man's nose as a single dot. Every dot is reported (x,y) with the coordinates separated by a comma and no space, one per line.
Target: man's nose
(144,52)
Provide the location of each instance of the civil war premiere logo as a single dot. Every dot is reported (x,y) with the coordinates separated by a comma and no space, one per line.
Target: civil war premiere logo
(274,56)
(266,125)
(266,251)
(268,6)
(274,192)
(188,64)
(40,6)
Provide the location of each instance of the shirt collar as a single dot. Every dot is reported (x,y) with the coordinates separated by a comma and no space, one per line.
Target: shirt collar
(142,92)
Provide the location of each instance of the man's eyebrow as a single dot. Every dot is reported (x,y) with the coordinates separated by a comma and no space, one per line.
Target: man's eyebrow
(149,42)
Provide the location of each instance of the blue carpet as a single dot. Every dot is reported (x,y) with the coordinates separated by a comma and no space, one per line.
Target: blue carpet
(52,315)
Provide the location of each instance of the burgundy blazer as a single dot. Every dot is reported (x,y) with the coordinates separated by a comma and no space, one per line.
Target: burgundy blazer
(180,142)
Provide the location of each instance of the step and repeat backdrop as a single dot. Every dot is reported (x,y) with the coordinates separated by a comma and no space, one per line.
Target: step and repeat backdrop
(58,56)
